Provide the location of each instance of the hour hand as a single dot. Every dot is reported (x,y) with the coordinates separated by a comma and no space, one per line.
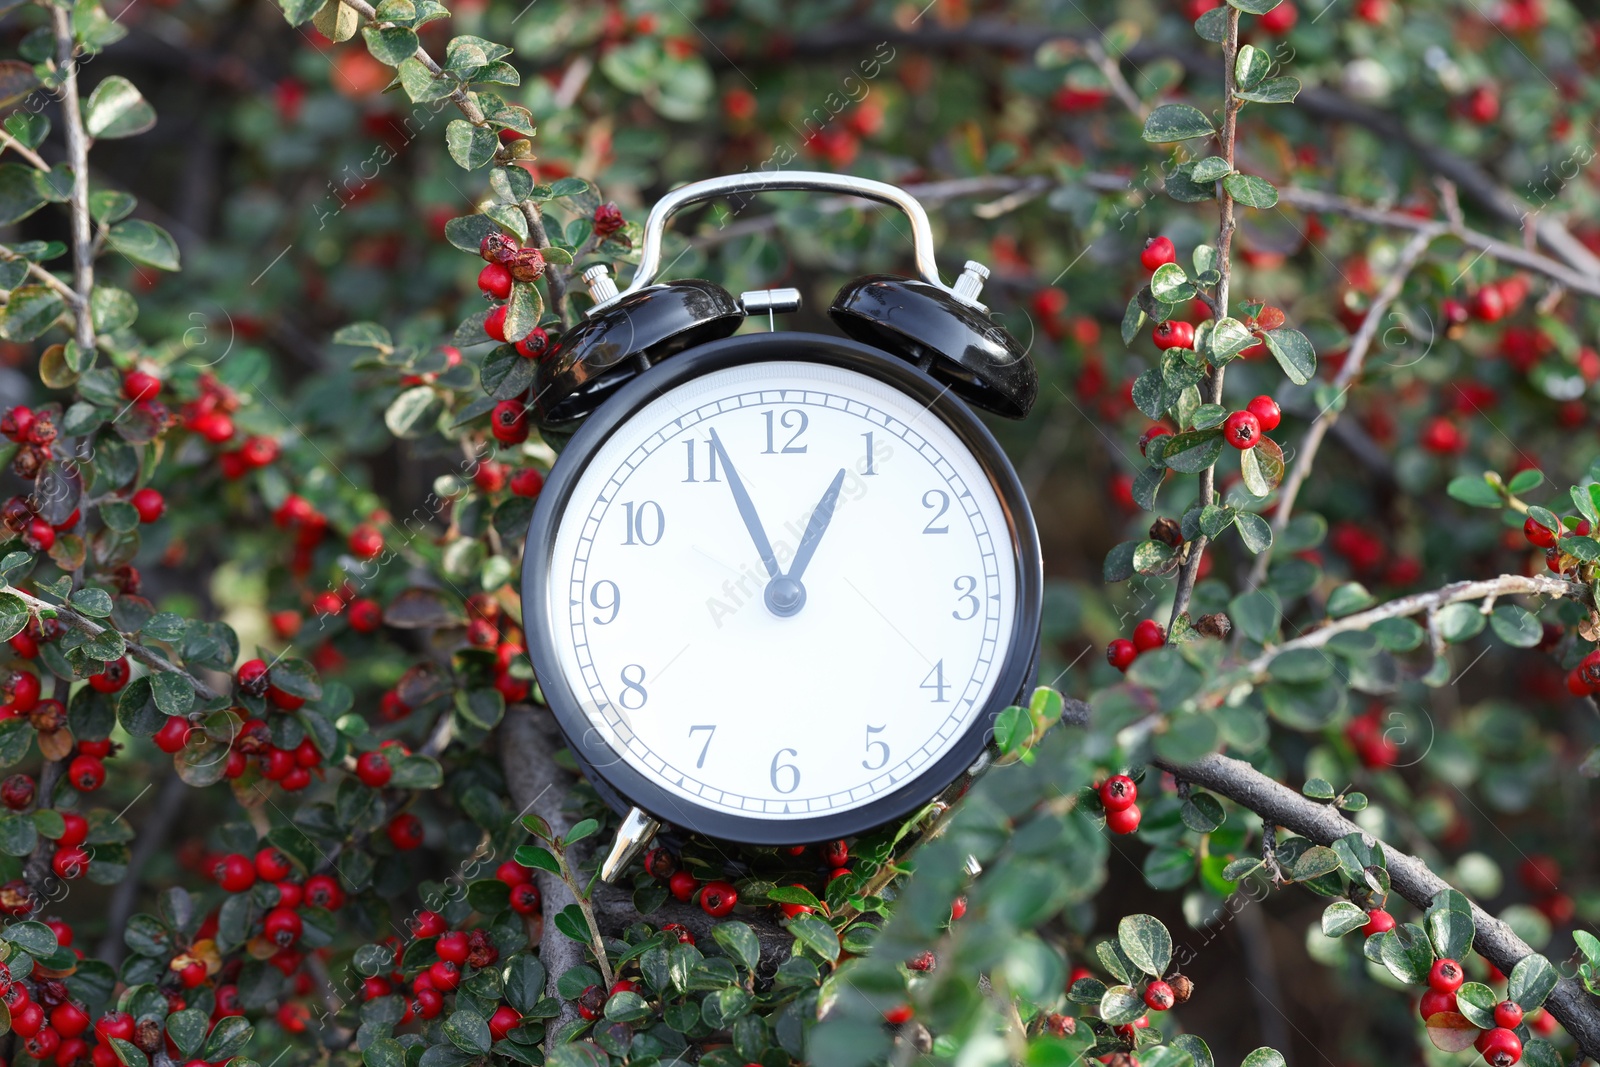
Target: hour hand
(747,510)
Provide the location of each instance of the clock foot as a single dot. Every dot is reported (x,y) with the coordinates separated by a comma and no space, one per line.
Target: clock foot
(633,836)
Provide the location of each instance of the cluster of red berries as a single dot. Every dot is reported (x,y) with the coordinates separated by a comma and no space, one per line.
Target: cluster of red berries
(55,1026)
(210,415)
(86,770)
(1491,302)
(365,615)
(717,898)
(1499,1045)
(1147,635)
(1541,536)
(20,516)
(35,433)
(460,953)
(1118,796)
(1243,429)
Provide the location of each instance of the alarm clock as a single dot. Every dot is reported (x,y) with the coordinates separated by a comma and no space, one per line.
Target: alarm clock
(778,585)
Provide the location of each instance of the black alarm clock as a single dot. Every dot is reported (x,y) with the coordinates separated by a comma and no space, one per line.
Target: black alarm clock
(778,585)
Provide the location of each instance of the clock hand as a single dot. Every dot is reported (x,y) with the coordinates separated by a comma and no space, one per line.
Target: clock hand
(747,510)
(821,515)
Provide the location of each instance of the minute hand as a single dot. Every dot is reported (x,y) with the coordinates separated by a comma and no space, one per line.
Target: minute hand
(818,524)
(747,510)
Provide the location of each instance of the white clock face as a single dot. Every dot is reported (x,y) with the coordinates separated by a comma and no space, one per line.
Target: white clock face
(781,591)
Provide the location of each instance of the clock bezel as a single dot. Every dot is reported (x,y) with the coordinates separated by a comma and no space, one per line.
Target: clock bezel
(614,778)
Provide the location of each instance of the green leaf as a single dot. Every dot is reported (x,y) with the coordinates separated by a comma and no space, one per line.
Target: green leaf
(1263,1057)
(228,1038)
(390,45)
(468,1031)
(1250,67)
(1213,25)
(1294,354)
(1251,191)
(1133,320)
(1476,492)
(1531,981)
(815,935)
(522,310)
(470,146)
(1121,1005)
(1170,285)
(19,193)
(31,310)
(1277,91)
(1202,813)
(35,938)
(1254,7)
(1254,531)
(112,309)
(117,109)
(1118,567)
(144,242)
(1449,924)
(1176,122)
(1407,953)
(1153,557)
(1315,862)
(1340,917)
(1477,1002)
(1516,626)
(187,1029)
(1230,337)
(1145,941)
(1193,451)
(414,412)
(1459,622)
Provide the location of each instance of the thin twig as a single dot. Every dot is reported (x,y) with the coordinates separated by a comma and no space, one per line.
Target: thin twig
(1279,805)
(148,656)
(67,292)
(1354,360)
(463,100)
(78,159)
(8,141)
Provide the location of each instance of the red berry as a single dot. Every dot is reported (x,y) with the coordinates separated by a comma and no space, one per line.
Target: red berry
(495,324)
(272,865)
(525,898)
(504,1020)
(607,220)
(112,677)
(28,1020)
(534,346)
(958,909)
(1150,435)
(1541,536)
(898,1015)
(1121,653)
(74,829)
(1508,1014)
(527,482)
(290,894)
(836,853)
(1483,105)
(282,926)
(252,677)
(1488,304)
(444,975)
(683,885)
(427,924)
(325,604)
(1434,1002)
(324,891)
(452,947)
(1441,436)
(118,1024)
(234,873)
(405,831)
(1118,792)
(1125,821)
(1158,252)
(1446,976)
(1242,430)
(1378,921)
(1158,996)
(1149,634)
(1266,411)
(86,773)
(137,385)
(18,791)
(718,898)
(70,862)
(41,537)
(173,735)
(373,769)
(1171,334)
(509,422)
(1577,684)
(495,280)
(1500,1047)
(69,1019)
(1281,19)
(366,541)
(365,616)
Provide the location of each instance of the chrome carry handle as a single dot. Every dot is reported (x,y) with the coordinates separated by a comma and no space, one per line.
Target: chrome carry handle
(604,290)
